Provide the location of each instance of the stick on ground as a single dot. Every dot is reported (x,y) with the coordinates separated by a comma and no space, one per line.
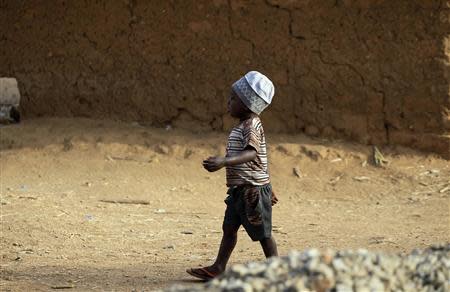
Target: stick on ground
(138,202)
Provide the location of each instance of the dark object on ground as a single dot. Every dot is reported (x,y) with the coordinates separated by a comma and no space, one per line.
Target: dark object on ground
(138,202)
(15,114)
(9,101)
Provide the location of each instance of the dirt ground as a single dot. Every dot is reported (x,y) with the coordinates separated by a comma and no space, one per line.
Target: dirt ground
(58,232)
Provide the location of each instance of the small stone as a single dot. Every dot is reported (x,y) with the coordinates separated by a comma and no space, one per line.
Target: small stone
(313,154)
(285,149)
(328,256)
(89,217)
(239,269)
(312,253)
(296,172)
(339,265)
(343,288)
(162,149)
(259,284)
(360,270)
(188,153)
(67,144)
(256,268)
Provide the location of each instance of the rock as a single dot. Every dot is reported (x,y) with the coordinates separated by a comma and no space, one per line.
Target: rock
(162,149)
(9,101)
(239,269)
(316,153)
(260,284)
(378,158)
(296,172)
(287,149)
(339,265)
(9,92)
(256,268)
(447,188)
(188,153)
(67,144)
(361,270)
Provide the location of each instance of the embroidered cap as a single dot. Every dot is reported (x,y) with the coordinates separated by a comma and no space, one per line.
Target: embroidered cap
(255,90)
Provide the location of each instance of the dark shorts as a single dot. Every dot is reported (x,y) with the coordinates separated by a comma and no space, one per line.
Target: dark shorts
(251,207)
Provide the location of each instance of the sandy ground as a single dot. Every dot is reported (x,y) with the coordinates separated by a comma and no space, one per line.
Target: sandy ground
(56,232)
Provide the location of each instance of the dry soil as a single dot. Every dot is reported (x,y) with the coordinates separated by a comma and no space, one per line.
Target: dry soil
(58,232)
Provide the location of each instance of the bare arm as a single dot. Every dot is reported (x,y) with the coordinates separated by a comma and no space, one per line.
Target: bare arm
(247,155)
(215,163)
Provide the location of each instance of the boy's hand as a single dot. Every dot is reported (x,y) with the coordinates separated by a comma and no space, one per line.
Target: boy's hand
(214,163)
(274,198)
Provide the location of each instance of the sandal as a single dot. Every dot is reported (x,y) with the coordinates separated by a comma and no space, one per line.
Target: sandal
(201,273)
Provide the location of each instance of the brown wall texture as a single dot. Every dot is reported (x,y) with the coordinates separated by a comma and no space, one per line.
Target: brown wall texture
(376,71)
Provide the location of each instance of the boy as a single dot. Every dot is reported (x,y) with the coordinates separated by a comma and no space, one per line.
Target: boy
(250,197)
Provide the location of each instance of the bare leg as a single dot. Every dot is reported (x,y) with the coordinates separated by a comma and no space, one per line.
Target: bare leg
(227,245)
(269,247)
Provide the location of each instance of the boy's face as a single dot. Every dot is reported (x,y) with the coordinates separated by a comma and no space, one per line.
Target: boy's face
(236,107)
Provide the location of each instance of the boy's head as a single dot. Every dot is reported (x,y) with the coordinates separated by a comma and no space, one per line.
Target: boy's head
(236,107)
(254,90)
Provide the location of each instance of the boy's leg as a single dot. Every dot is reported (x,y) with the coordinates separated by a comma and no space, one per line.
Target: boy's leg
(230,227)
(269,247)
(227,245)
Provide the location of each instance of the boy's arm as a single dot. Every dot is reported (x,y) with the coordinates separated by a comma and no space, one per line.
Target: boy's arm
(215,163)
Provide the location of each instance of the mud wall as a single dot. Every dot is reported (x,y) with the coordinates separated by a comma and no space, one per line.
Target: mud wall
(376,71)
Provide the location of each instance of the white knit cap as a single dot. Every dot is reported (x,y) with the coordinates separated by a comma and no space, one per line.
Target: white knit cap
(255,90)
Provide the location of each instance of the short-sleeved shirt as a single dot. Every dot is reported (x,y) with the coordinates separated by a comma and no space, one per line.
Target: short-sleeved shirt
(249,133)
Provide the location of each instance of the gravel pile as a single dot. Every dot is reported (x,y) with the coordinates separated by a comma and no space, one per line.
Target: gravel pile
(361,270)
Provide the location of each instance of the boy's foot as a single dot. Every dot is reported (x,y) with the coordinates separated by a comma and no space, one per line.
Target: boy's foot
(202,273)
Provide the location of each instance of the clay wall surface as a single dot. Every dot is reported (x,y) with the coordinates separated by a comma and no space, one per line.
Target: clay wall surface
(376,71)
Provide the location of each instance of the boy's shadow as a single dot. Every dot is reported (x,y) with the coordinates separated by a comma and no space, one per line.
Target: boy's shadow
(189,281)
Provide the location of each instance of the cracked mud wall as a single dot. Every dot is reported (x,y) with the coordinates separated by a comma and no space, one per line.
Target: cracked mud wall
(370,70)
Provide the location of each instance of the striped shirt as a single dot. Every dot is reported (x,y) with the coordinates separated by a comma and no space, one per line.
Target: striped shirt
(248,133)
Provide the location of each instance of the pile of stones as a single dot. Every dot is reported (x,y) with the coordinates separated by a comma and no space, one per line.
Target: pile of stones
(360,270)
